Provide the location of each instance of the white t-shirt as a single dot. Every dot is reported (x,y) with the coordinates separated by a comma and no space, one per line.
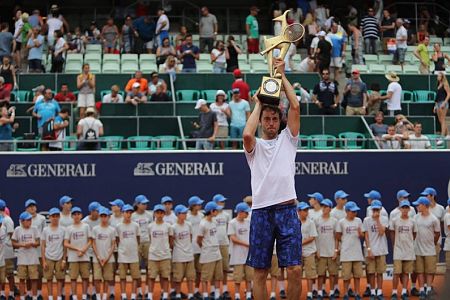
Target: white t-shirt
(396,213)
(90,123)
(54,242)
(128,242)
(108,98)
(65,220)
(426,227)
(143,220)
(402,34)
(182,244)
(378,243)
(114,221)
(222,220)
(210,245)
(350,241)
(304,65)
(3,237)
(53,25)
(338,214)
(59,45)
(421,142)
(308,231)
(26,256)
(383,212)
(38,221)
(103,237)
(447,232)
(17,26)
(404,238)
(221,116)
(78,236)
(272,166)
(325,241)
(394,103)
(438,211)
(171,219)
(92,224)
(159,241)
(314,214)
(8,223)
(195,222)
(220,59)
(240,229)
(161,19)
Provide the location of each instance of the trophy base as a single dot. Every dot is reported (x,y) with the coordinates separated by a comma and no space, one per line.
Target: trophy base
(270,91)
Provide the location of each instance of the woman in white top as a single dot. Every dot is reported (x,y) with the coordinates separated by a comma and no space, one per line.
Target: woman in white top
(218,58)
(223,112)
(59,52)
(164,51)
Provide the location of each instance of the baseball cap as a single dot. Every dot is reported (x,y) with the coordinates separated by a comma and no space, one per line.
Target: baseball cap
(141,199)
(351,206)
(90,110)
(180,209)
(136,85)
(327,202)
(303,205)
(211,205)
(54,7)
(117,202)
(429,191)
(94,206)
(340,194)
(54,211)
(75,209)
(404,203)
(2,204)
(158,207)
(373,194)
(221,93)
(422,200)
(402,194)
(25,216)
(355,71)
(30,202)
(236,91)
(104,211)
(242,207)
(376,204)
(166,199)
(318,196)
(195,200)
(237,73)
(219,198)
(65,199)
(127,207)
(199,103)
(321,33)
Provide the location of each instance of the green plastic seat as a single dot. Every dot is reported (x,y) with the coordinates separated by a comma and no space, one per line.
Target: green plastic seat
(112,142)
(19,148)
(407,96)
(209,95)
(166,142)
(188,95)
(322,141)
(20,96)
(424,96)
(434,138)
(303,142)
(70,143)
(352,140)
(140,143)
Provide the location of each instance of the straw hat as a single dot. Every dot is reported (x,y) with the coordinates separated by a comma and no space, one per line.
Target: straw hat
(392,76)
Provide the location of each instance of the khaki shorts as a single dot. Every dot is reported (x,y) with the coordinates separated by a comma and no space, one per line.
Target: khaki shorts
(161,268)
(447,259)
(10,266)
(135,272)
(86,100)
(105,273)
(212,270)
(242,272)
(352,269)
(376,265)
(143,253)
(274,268)
(425,264)
(225,258)
(403,266)
(54,269)
(309,266)
(28,272)
(327,263)
(354,111)
(222,132)
(197,264)
(181,270)
(2,275)
(79,268)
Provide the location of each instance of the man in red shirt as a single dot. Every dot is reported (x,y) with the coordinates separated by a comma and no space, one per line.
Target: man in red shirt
(5,94)
(65,95)
(240,84)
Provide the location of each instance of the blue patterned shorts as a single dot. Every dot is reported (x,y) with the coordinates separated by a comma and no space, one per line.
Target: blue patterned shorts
(280,223)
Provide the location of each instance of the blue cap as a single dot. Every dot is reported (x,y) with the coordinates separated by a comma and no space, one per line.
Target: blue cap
(404,203)
(340,194)
(351,206)
(158,207)
(25,216)
(117,202)
(64,199)
(211,205)
(127,207)
(76,209)
(242,207)
(327,202)
(303,205)
(94,206)
(219,198)
(195,200)
(180,209)
(376,204)
(30,202)
(141,199)
(429,191)
(104,211)
(402,194)
(54,211)
(2,204)
(422,200)
(166,199)
(317,196)
(373,194)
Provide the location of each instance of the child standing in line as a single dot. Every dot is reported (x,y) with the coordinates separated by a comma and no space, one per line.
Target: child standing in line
(3,238)
(309,235)
(194,217)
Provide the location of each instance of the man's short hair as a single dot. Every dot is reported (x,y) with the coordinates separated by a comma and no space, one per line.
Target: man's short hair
(273,108)
(187,35)
(4,25)
(63,84)
(64,111)
(417,123)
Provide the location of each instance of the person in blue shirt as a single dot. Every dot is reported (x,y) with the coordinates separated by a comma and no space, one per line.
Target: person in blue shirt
(145,29)
(188,54)
(338,39)
(35,45)
(6,119)
(45,110)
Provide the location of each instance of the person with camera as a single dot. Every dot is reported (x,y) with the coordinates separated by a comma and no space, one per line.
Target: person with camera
(7,127)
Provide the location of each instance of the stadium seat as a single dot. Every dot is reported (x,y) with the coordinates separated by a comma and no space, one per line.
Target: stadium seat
(21,96)
(129,67)
(33,148)
(303,142)
(97,48)
(204,67)
(111,67)
(242,58)
(434,40)
(447,41)
(434,138)
(73,67)
(112,142)
(129,58)
(352,140)
(205,57)
(208,95)
(187,95)
(385,59)
(244,67)
(370,59)
(140,143)
(377,68)
(407,96)
(412,60)
(255,58)
(322,141)
(166,142)
(90,58)
(411,48)
(70,143)
(361,68)
(147,67)
(74,57)
(424,96)
(95,67)
(111,58)
(445,49)
(394,68)
(147,58)
(259,67)
(414,69)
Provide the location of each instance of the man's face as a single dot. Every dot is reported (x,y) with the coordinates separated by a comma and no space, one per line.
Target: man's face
(104,219)
(182,217)
(326,209)
(94,214)
(391,130)
(168,206)
(189,40)
(77,217)
(31,209)
(270,122)
(418,129)
(115,209)
(379,118)
(127,215)
(334,28)
(351,214)
(26,223)
(426,41)
(204,108)
(386,13)
(204,11)
(341,201)
(48,94)
(398,23)
(54,219)
(421,208)
(142,206)
(67,205)
(236,96)
(325,75)
(138,75)
(355,76)
(64,89)
(370,12)
(312,201)
(303,213)
(159,215)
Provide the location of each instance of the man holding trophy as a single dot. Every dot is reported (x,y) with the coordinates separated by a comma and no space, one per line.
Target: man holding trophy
(271,159)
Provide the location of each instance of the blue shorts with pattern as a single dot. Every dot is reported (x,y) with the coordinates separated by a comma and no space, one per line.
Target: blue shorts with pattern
(278,222)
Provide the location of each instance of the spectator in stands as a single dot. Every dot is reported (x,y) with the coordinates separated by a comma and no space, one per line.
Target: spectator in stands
(145,32)
(59,52)
(218,58)
(417,140)
(86,90)
(239,83)
(441,102)
(369,26)
(25,32)
(17,28)
(75,41)
(422,33)
(162,26)
(65,95)
(180,37)
(357,44)
(7,41)
(163,51)
(60,124)
(110,36)
(302,94)
(323,52)
(338,42)
(8,72)
(295,13)
(392,140)
(240,112)
(189,53)
(93,35)
(394,94)
(45,110)
(35,19)
(170,66)
(136,96)
(312,29)
(439,58)
(322,13)
(143,83)
(207,126)
(208,28)
(7,117)
(232,52)
(289,58)
(35,45)
(374,100)
(252,30)
(326,94)
(5,94)
(55,13)
(38,94)
(379,128)
(114,96)
(352,16)
(276,24)
(128,36)
(89,129)
(159,95)
(387,28)
(401,38)
(356,93)
(412,39)
(421,52)
(155,82)
(223,112)
(307,64)
(53,24)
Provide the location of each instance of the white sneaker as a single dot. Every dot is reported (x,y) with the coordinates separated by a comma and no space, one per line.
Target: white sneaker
(439,142)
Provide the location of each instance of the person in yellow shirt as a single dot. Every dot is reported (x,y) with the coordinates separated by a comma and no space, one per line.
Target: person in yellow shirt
(422,54)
